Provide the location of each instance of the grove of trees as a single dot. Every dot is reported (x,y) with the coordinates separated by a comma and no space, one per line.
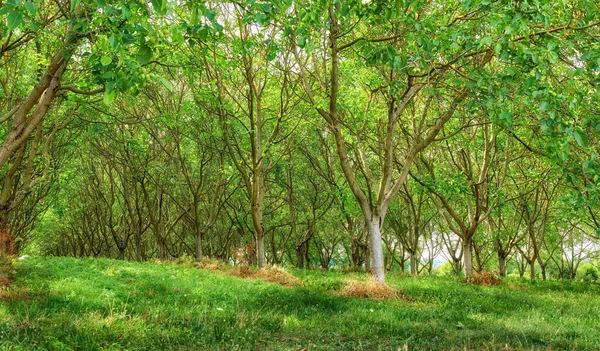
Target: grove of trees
(374,135)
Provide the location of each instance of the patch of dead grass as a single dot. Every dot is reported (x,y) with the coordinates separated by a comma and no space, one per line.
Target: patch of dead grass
(279,276)
(370,289)
(11,294)
(485,278)
(272,274)
(211,264)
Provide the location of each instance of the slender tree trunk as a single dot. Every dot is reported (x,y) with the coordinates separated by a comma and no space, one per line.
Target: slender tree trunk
(299,257)
(402,263)
(199,251)
(138,247)
(260,246)
(543,270)
(456,266)
(306,256)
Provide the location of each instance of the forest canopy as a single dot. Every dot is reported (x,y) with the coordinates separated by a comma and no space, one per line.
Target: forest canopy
(377,135)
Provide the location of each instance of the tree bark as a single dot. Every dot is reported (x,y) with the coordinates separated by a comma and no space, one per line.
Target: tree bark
(199,251)
(468,256)
(501,265)
(377,264)
(413,263)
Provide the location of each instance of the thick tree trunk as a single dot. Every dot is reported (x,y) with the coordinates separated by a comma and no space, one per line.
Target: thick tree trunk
(501,265)
(468,256)
(532,270)
(377,264)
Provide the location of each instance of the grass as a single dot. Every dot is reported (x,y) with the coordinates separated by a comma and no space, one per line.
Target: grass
(100,304)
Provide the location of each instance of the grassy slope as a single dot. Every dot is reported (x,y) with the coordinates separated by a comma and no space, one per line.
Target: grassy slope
(91,304)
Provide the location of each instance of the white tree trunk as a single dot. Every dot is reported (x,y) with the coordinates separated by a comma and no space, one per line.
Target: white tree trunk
(468,257)
(377,264)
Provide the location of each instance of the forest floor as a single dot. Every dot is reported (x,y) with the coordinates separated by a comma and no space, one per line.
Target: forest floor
(101,304)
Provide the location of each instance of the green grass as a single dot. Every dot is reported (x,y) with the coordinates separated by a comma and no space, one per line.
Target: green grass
(100,304)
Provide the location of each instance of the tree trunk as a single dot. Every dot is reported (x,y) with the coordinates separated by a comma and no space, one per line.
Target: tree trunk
(199,251)
(532,270)
(468,256)
(413,263)
(501,265)
(456,266)
(121,253)
(377,264)
(543,270)
(402,263)
(138,247)
(260,248)
(7,242)
(299,257)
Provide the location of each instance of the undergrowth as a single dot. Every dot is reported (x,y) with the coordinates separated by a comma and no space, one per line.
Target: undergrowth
(100,304)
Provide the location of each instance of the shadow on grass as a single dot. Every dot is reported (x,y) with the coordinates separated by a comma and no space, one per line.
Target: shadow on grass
(104,304)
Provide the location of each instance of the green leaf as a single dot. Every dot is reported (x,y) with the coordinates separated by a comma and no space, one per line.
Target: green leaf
(105,60)
(581,137)
(14,19)
(160,6)
(210,14)
(144,54)
(167,83)
(125,12)
(32,7)
(508,117)
(114,43)
(74,4)
(109,96)
(203,34)
(261,19)
(177,35)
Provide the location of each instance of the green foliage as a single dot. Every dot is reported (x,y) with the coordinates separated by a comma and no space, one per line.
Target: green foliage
(588,272)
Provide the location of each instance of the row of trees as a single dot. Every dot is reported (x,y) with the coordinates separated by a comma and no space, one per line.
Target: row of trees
(374,134)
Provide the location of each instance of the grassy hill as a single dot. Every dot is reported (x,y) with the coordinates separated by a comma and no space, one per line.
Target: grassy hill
(100,304)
